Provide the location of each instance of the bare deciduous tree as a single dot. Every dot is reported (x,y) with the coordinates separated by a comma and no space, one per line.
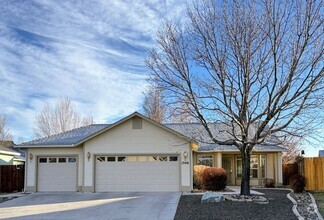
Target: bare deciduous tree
(154,106)
(5,134)
(293,151)
(59,119)
(256,66)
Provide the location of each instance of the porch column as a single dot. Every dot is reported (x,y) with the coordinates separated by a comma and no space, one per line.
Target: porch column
(218,159)
(279,168)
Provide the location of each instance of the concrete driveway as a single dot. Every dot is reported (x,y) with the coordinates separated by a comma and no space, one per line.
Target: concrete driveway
(91,206)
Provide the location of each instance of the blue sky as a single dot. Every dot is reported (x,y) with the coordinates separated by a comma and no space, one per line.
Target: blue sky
(90,51)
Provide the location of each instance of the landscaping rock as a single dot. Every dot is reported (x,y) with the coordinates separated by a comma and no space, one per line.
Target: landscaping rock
(211,197)
(240,198)
(305,206)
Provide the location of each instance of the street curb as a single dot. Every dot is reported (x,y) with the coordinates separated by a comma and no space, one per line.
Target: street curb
(315,207)
(294,208)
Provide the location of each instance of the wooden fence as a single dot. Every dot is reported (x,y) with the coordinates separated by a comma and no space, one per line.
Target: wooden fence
(314,173)
(12,178)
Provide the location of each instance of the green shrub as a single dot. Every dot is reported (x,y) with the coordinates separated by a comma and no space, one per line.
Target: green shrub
(214,178)
(297,183)
(269,183)
(197,178)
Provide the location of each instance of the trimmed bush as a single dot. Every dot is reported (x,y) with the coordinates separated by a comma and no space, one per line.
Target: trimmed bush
(269,183)
(197,178)
(214,179)
(297,183)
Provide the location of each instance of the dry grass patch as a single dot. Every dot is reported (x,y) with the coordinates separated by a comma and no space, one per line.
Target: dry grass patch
(319,197)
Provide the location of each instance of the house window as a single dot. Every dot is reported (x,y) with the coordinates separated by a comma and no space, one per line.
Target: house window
(163,158)
(62,160)
(43,160)
(72,160)
(263,162)
(52,160)
(111,159)
(131,158)
(141,158)
(121,159)
(239,167)
(254,166)
(153,158)
(207,160)
(173,158)
(101,159)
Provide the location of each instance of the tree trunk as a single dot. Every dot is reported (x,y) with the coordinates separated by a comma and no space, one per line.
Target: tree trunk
(245,184)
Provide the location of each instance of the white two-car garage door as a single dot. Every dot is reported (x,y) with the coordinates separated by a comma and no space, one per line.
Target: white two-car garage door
(141,173)
(57,174)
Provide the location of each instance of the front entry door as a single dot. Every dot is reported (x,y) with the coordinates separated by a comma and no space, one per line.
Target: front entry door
(227,164)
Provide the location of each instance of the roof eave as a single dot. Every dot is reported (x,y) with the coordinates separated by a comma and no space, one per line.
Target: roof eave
(9,153)
(44,146)
(214,151)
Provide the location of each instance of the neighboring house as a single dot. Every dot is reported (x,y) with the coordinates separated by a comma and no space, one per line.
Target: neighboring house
(321,153)
(135,154)
(8,155)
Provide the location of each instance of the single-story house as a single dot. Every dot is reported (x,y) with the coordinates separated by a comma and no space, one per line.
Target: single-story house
(135,154)
(8,155)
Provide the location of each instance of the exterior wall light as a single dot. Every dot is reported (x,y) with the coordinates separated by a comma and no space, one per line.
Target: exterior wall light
(31,156)
(89,156)
(185,155)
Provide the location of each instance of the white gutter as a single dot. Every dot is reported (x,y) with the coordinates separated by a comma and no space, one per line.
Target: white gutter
(43,146)
(9,153)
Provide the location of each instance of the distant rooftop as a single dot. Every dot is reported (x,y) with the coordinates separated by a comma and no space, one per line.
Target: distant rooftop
(321,153)
(6,148)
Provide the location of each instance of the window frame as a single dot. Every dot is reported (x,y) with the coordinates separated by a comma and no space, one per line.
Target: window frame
(205,159)
(260,159)
(42,158)
(60,158)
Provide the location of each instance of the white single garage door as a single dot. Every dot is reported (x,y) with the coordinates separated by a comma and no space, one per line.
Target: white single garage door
(57,174)
(141,173)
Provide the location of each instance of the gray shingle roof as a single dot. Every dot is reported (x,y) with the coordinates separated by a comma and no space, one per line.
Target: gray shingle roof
(197,132)
(69,137)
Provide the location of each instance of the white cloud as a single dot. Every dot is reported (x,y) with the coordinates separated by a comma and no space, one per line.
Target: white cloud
(92,52)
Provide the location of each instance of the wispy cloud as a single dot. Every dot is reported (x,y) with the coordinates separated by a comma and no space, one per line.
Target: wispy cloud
(91,51)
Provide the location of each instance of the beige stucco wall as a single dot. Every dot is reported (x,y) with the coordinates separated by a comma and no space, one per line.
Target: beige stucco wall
(6,159)
(151,139)
(31,165)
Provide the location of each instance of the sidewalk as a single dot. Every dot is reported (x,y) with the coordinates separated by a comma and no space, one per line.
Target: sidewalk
(17,194)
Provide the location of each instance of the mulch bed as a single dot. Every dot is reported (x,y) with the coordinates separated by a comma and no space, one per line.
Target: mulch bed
(279,207)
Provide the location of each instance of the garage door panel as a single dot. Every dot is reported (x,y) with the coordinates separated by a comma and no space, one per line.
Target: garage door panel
(137,176)
(57,176)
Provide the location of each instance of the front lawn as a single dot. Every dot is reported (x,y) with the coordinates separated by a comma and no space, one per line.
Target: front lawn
(319,197)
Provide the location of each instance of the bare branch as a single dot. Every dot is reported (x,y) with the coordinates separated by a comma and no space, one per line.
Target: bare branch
(56,120)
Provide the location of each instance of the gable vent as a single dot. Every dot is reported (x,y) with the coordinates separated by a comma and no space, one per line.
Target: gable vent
(137,123)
